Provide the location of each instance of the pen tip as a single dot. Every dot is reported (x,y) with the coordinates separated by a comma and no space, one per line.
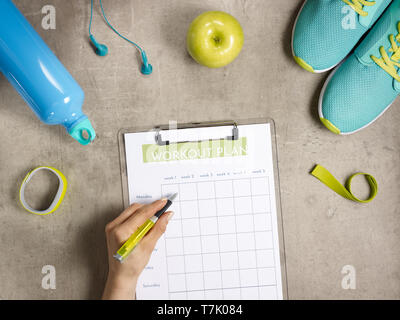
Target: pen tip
(172,197)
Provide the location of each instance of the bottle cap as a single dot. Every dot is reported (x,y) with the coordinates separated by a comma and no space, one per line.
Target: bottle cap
(83,132)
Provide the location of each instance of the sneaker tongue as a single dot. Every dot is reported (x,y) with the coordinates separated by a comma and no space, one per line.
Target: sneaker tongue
(372,11)
(379,36)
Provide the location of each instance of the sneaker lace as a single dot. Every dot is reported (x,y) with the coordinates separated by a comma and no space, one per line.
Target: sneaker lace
(357,5)
(387,63)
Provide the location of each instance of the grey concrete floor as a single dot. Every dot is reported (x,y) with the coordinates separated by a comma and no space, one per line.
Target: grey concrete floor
(323,232)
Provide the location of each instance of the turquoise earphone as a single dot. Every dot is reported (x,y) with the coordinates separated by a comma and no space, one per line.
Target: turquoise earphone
(102,50)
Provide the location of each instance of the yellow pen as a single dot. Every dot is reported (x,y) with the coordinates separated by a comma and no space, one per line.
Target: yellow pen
(138,235)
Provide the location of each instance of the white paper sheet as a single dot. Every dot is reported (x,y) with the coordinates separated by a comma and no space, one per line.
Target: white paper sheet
(222,242)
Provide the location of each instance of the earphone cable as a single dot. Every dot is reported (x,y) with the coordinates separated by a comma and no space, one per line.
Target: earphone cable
(91,17)
(112,28)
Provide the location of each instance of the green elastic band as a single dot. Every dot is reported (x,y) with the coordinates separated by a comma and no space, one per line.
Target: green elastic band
(329,180)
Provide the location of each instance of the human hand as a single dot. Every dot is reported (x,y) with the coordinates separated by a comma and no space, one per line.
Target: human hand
(122,277)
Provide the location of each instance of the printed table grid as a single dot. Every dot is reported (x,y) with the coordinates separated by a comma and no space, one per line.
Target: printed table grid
(222,230)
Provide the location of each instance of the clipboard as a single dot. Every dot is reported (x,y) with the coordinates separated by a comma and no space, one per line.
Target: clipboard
(159,139)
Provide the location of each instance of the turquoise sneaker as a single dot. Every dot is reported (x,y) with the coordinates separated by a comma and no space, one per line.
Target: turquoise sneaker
(364,86)
(326,31)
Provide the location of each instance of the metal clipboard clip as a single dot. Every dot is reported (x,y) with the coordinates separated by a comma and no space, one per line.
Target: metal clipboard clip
(161,142)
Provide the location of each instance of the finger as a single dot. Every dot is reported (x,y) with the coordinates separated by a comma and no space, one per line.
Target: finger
(124,215)
(131,224)
(151,238)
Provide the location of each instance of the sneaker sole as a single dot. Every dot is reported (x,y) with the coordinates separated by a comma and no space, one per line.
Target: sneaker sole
(321,115)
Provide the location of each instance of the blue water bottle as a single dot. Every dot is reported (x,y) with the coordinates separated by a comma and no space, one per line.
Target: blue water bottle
(39,77)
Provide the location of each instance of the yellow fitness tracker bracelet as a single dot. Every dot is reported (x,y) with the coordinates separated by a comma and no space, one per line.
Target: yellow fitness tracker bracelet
(62,188)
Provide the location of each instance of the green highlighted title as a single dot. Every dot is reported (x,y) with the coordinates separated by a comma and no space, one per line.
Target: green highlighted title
(194,150)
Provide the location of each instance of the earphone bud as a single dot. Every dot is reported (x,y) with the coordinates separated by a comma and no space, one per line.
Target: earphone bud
(101,49)
(147,68)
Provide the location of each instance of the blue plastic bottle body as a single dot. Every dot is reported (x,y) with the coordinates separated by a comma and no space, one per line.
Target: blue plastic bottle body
(38,75)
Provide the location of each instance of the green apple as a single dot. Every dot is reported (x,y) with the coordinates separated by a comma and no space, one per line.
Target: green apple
(214,39)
